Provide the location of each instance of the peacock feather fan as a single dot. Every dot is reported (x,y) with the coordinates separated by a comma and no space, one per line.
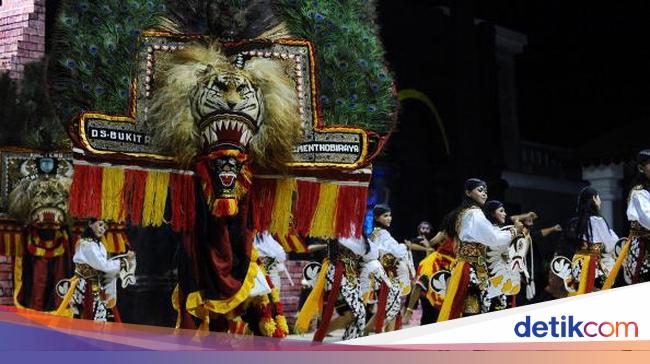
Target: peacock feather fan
(355,87)
(93,58)
(224,19)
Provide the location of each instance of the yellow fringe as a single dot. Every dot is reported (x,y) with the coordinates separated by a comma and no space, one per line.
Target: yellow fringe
(109,242)
(112,187)
(267,326)
(114,242)
(300,246)
(452,289)
(199,307)
(155,197)
(121,243)
(282,206)
(314,304)
(323,224)
(275,295)
(281,321)
(611,278)
(11,249)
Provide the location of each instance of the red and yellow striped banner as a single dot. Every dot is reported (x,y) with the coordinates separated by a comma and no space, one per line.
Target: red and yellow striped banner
(282,205)
(11,240)
(308,207)
(123,194)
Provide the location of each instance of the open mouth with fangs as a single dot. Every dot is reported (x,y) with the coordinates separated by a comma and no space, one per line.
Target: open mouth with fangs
(48,215)
(227,179)
(219,130)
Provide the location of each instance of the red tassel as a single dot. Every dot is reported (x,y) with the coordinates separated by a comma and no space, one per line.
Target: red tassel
(116,314)
(183,204)
(88,305)
(381,308)
(591,274)
(320,333)
(361,204)
(306,204)
(278,333)
(135,182)
(86,191)
(351,210)
(263,197)
(206,180)
(458,304)
(279,308)
(75,203)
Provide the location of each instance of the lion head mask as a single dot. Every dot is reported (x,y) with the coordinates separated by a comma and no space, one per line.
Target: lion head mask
(204,100)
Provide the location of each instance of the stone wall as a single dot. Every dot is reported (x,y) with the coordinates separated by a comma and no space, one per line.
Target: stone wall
(22,34)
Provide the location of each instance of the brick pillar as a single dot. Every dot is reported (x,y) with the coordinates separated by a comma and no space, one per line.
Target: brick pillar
(22,34)
(6,281)
(290,295)
(22,40)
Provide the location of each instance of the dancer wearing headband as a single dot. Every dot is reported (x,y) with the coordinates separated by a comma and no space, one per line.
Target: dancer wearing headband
(635,255)
(473,234)
(394,260)
(595,246)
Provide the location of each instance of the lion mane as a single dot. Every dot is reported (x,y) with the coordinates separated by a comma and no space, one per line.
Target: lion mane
(175,127)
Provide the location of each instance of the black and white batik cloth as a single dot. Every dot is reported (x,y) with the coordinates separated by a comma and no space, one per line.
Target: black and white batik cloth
(638,246)
(393,301)
(351,295)
(99,308)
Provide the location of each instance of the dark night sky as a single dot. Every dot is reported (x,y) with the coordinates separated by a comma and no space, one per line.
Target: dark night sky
(587,64)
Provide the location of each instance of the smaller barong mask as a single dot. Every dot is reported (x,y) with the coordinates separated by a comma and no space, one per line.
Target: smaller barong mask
(41,197)
(227,169)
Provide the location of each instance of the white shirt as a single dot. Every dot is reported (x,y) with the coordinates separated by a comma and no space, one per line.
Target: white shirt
(384,243)
(358,247)
(639,208)
(387,245)
(601,233)
(268,247)
(475,227)
(95,255)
